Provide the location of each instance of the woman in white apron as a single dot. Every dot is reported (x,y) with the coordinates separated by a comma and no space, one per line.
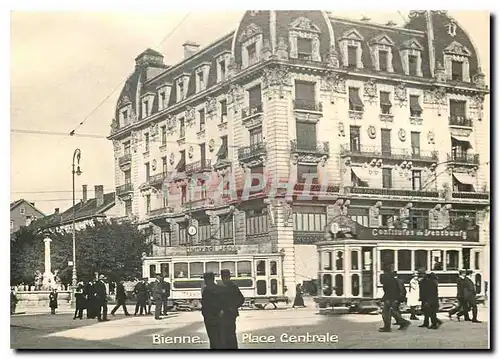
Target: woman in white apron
(413,299)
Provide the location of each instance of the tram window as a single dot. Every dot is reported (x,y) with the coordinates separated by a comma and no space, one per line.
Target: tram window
(180,270)
(165,269)
(478,282)
(196,270)
(421,259)
(339,262)
(274,286)
(476,260)
(274,268)
(437,259)
(213,267)
(404,259)
(261,287)
(339,284)
(466,258)
(229,265)
(327,260)
(327,284)
(386,258)
(354,260)
(261,267)
(152,270)
(355,285)
(244,269)
(367,259)
(451,260)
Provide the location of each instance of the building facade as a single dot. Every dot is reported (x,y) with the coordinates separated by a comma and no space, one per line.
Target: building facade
(22,213)
(388,120)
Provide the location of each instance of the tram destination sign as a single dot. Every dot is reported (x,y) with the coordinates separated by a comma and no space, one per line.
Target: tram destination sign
(215,249)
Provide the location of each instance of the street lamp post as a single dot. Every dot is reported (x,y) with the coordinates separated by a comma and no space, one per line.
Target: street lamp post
(76,156)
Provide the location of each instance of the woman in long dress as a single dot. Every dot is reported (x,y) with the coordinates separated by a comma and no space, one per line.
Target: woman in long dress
(53,301)
(299,300)
(413,296)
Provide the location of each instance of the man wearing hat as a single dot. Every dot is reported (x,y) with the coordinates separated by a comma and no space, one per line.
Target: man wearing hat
(461,308)
(101,296)
(141,293)
(470,296)
(211,309)
(430,301)
(232,300)
(161,291)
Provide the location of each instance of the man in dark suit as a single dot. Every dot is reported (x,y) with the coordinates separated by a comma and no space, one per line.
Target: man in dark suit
(461,308)
(121,297)
(141,293)
(430,301)
(150,301)
(161,291)
(232,299)
(392,297)
(101,296)
(470,296)
(211,309)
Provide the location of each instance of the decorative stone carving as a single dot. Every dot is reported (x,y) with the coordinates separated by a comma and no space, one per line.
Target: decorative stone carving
(416,120)
(430,137)
(305,158)
(249,32)
(117,146)
(287,213)
(132,116)
(235,94)
(254,162)
(153,131)
(374,215)
(171,125)
(401,94)
(278,78)
(341,129)
(370,91)
(190,152)
(266,52)
(232,67)
(334,83)
(211,145)
(404,215)
(190,116)
(211,106)
(153,165)
(332,59)
(440,73)
(477,104)
(172,159)
(304,24)
(372,132)
(135,140)
(479,79)
(282,49)
(402,135)
(115,126)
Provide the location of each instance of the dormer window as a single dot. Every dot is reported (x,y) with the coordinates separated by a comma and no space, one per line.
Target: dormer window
(222,67)
(161,102)
(411,57)
(125,119)
(163,97)
(202,77)
(304,40)
(456,62)
(145,106)
(181,91)
(251,45)
(350,47)
(182,87)
(381,52)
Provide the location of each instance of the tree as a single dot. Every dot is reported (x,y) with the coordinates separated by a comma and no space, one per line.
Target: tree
(111,248)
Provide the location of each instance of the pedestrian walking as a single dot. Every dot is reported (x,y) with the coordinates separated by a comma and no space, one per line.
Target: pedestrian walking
(232,301)
(141,293)
(211,309)
(53,301)
(413,296)
(101,296)
(299,300)
(121,298)
(430,301)
(470,296)
(391,299)
(461,308)
(80,301)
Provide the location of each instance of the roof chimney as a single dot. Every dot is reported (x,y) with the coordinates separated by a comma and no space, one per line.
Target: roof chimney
(56,211)
(99,195)
(84,195)
(32,203)
(190,48)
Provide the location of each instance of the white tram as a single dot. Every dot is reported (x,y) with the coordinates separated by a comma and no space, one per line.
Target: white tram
(352,259)
(259,277)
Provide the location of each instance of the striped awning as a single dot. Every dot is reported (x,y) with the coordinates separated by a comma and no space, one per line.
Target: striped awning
(465,178)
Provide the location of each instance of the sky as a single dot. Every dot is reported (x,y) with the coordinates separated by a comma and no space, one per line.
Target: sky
(69,67)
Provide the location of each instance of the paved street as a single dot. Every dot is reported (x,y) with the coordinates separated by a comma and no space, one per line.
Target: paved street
(353,331)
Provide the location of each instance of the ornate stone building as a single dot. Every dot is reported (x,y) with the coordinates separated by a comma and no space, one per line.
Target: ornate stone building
(391,118)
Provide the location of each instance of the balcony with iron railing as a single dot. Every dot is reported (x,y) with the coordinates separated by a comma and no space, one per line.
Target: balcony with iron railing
(460,121)
(471,195)
(251,110)
(363,151)
(321,148)
(124,189)
(125,159)
(464,158)
(199,166)
(160,211)
(307,105)
(157,179)
(249,152)
(391,192)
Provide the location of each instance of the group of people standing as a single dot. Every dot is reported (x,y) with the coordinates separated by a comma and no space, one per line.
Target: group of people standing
(92,297)
(423,292)
(149,293)
(219,307)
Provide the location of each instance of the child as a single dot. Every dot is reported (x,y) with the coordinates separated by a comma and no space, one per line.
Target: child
(53,301)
